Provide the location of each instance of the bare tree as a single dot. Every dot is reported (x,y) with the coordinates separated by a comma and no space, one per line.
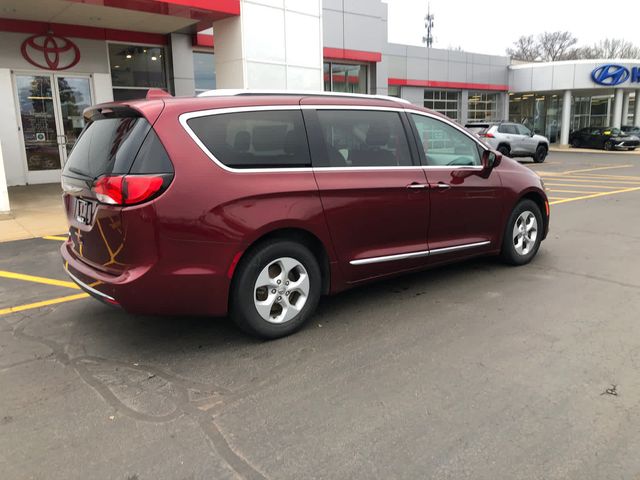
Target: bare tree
(526,48)
(614,48)
(555,46)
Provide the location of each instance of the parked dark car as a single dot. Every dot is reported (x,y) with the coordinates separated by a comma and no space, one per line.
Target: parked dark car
(256,205)
(603,137)
(631,130)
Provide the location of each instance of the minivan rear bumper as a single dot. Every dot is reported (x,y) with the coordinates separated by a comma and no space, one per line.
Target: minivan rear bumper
(154,289)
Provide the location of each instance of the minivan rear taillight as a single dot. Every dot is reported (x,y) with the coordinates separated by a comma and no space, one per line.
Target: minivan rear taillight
(129,189)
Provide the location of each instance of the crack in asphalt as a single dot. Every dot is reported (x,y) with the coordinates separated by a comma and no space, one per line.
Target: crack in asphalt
(181,388)
(585,275)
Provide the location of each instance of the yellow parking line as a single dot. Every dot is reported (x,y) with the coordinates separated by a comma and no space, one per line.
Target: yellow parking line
(556,198)
(549,184)
(613,177)
(598,168)
(55,237)
(43,303)
(32,278)
(591,180)
(569,191)
(601,194)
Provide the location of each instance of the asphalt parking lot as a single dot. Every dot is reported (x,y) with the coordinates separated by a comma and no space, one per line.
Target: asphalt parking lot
(476,370)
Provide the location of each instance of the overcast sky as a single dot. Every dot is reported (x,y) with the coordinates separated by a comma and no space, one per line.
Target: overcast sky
(492,26)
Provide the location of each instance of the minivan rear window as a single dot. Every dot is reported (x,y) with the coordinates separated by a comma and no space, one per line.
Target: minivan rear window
(107,146)
(261,139)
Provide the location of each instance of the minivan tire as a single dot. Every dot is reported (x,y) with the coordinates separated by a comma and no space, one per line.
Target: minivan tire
(509,253)
(541,154)
(244,299)
(575,143)
(608,145)
(504,150)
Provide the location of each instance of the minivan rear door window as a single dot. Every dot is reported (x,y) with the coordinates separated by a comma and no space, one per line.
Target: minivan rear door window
(260,139)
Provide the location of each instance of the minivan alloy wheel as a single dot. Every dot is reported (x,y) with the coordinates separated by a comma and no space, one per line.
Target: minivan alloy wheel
(281,290)
(525,232)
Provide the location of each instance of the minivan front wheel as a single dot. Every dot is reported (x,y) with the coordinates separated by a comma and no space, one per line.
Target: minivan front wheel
(523,233)
(276,289)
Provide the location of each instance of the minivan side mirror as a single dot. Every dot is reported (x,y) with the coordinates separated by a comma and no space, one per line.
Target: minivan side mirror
(490,159)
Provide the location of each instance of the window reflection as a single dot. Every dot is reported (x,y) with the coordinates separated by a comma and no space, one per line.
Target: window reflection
(345,78)
(136,67)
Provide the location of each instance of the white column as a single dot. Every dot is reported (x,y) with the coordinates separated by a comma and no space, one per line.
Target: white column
(464,106)
(566,118)
(636,110)
(5,208)
(617,108)
(184,84)
(625,106)
(270,45)
(505,106)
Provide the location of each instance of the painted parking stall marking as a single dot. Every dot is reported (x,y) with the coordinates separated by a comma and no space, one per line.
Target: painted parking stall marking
(15,276)
(583,184)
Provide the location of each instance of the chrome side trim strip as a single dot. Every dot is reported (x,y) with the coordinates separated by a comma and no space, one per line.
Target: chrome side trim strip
(457,248)
(389,258)
(421,253)
(84,286)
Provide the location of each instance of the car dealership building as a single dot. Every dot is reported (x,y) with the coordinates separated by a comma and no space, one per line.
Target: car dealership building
(59,56)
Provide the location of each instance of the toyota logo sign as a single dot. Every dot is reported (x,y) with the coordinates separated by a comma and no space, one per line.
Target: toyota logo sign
(50,52)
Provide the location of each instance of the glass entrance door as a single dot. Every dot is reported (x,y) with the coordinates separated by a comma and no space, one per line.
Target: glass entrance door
(75,95)
(51,119)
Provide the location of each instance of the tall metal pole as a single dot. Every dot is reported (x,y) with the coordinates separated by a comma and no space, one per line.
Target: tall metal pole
(428,24)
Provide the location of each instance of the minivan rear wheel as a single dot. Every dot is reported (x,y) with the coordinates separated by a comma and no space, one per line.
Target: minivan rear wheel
(276,289)
(523,233)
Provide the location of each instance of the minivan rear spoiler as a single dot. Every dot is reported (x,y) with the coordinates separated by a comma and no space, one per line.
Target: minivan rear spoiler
(107,110)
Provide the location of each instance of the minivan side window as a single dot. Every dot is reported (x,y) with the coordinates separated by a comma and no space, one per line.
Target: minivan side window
(445,145)
(364,138)
(260,139)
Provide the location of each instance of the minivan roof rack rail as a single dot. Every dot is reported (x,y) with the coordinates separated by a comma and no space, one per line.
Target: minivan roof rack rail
(231,92)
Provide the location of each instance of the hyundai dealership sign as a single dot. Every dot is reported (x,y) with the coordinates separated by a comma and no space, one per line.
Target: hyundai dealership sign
(611,74)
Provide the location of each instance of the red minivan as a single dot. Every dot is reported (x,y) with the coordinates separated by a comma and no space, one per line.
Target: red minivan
(255,204)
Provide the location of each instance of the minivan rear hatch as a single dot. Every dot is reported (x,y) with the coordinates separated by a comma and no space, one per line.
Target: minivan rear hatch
(117,164)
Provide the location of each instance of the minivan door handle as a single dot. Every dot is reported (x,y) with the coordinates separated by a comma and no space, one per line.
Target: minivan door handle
(441,186)
(417,185)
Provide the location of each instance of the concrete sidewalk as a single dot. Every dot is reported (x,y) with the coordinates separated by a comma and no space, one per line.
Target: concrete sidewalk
(36,211)
(553,148)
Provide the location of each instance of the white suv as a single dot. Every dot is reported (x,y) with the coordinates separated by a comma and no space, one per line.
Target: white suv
(512,139)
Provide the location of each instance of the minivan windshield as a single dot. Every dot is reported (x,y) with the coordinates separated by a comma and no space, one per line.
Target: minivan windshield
(107,146)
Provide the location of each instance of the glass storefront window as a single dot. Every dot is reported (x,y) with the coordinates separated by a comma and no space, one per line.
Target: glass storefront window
(39,130)
(483,106)
(204,70)
(345,78)
(442,101)
(394,91)
(136,68)
(326,74)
